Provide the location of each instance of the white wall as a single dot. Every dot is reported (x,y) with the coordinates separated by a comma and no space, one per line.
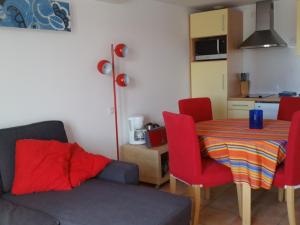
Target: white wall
(52,75)
(275,69)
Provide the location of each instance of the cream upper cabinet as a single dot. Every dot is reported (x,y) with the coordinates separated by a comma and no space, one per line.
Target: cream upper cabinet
(298,27)
(209,79)
(207,24)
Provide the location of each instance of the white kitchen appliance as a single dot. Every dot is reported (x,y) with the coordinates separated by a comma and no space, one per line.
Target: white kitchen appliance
(136,130)
(270,109)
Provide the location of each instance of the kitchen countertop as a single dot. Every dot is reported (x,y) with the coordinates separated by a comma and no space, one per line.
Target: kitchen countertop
(270,99)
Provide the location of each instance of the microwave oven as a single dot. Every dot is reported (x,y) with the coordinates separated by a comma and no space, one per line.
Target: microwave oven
(212,48)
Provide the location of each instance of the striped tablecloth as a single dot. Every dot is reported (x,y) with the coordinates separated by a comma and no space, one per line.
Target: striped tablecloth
(251,154)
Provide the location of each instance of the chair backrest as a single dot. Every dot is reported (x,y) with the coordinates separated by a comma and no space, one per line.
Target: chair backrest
(183,147)
(198,108)
(292,161)
(287,107)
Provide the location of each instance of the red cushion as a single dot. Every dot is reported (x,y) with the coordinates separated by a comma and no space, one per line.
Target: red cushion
(214,173)
(85,165)
(41,166)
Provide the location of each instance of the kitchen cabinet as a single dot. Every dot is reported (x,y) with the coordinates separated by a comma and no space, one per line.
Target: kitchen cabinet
(207,24)
(298,27)
(270,109)
(239,109)
(217,79)
(212,83)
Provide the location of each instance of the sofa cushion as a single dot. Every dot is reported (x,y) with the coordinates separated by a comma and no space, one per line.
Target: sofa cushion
(98,202)
(41,166)
(12,214)
(49,130)
(85,165)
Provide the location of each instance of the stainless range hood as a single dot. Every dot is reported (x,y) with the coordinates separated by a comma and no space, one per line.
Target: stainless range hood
(265,36)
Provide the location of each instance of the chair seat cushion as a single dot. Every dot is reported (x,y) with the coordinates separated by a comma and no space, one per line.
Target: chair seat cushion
(98,202)
(279,179)
(214,173)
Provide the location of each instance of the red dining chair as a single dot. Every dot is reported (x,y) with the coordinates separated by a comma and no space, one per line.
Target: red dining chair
(287,107)
(185,161)
(287,175)
(198,108)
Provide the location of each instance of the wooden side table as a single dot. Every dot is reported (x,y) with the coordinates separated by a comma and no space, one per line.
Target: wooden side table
(152,162)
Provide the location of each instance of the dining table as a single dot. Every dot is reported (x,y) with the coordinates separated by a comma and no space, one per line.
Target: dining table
(252,154)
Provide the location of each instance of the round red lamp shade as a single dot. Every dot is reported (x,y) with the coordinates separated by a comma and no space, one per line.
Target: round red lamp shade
(121,50)
(104,67)
(122,80)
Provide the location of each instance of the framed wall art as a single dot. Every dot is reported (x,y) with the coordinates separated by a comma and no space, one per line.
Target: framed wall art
(36,14)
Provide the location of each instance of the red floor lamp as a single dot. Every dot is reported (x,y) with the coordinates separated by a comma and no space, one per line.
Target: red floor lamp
(107,67)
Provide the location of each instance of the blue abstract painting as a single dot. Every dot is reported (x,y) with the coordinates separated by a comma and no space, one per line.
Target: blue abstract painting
(36,14)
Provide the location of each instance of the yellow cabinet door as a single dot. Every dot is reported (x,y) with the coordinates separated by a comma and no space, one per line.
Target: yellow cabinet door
(209,79)
(298,27)
(207,24)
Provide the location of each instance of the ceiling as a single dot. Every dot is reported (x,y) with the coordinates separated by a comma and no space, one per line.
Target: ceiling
(197,4)
(209,3)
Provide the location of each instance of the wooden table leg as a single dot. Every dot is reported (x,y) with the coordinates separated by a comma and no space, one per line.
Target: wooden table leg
(246,201)
(240,198)
(280,194)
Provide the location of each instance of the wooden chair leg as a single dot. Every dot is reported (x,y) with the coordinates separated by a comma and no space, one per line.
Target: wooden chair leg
(192,195)
(280,194)
(240,198)
(197,202)
(207,193)
(246,193)
(172,184)
(290,201)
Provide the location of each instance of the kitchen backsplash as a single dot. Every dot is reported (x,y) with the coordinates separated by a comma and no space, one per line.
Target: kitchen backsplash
(275,69)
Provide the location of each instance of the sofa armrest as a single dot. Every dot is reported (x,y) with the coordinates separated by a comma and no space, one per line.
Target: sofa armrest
(120,172)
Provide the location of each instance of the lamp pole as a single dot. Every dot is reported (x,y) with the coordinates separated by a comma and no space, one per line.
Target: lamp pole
(105,67)
(115,98)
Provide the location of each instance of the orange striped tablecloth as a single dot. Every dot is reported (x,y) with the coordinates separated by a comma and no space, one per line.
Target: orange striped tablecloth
(251,154)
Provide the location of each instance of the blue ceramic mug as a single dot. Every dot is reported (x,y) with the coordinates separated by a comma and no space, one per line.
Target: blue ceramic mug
(256,119)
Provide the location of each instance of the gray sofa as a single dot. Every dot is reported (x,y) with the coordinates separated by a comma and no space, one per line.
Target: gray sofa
(111,198)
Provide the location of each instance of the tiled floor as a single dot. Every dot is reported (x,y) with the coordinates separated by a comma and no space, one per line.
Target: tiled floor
(222,208)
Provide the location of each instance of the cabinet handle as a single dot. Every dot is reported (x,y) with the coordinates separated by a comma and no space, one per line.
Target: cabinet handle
(223,81)
(223,23)
(241,105)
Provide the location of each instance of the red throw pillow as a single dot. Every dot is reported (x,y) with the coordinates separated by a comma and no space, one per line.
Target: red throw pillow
(41,166)
(85,165)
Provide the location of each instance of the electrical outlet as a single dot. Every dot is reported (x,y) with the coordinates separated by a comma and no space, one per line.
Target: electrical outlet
(111,110)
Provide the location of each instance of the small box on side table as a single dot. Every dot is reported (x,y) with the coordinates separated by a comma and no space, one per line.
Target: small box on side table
(152,162)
